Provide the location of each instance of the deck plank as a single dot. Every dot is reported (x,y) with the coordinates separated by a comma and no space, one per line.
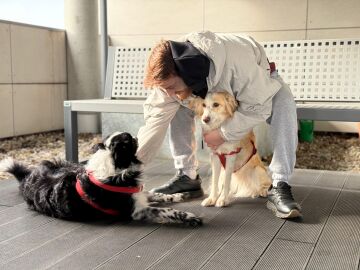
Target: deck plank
(244,248)
(193,252)
(339,243)
(302,236)
(244,235)
(352,182)
(285,255)
(58,247)
(30,240)
(315,211)
(133,246)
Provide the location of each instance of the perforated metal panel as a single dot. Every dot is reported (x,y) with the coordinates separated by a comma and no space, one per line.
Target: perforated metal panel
(318,70)
(129,67)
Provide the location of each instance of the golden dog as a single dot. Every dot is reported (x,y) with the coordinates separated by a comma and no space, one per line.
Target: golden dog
(237,170)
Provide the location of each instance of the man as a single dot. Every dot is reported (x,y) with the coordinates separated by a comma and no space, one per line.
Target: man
(208,62)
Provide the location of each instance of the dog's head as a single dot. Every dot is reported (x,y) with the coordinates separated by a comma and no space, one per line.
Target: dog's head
(117,151)
(123,149)
(214,109)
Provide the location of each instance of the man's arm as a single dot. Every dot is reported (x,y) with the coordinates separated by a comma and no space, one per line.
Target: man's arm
(234,129)
(159,110)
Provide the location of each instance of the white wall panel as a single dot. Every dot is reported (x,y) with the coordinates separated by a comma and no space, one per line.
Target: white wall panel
(6,111)
(141,40)
(277,35)
(333,13)
(32,108)
(154,17)
(5,53)
(31,55)
(59,57)
(334,33)
(57,95)
(254,15)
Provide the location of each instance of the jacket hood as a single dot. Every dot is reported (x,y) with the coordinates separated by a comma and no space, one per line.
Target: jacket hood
(192,66)
(214,48)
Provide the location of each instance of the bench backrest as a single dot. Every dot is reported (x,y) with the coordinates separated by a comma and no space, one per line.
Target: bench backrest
(319,70)
(316,70)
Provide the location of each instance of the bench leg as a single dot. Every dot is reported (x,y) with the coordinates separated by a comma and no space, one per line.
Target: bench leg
(71,134)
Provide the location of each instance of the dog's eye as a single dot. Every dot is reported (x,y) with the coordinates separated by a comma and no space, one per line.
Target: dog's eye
(204,105)
(216,105)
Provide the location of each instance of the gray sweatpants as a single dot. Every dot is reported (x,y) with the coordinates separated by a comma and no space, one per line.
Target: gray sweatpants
(283,129)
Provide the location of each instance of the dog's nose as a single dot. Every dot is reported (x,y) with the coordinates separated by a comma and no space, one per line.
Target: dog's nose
(206,119)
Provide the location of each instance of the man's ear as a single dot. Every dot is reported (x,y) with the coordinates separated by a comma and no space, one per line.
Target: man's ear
(97,147)
(196,104)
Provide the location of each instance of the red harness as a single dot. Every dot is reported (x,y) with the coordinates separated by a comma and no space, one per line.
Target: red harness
(222,156)
(82,194)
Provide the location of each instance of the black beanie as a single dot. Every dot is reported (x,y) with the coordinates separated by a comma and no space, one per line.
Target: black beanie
(192,66)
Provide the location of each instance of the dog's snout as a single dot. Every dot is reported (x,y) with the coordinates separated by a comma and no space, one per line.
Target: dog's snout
(206,119)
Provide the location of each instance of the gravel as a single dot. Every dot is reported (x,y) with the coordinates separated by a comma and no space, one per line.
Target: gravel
(328,151)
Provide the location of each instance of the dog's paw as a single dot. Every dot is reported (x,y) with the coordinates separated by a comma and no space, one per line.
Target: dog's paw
(178,197)
(264,193)
(222,202)
(209,201)
(193,222)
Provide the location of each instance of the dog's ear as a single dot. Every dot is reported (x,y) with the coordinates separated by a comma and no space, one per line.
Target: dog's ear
(231,104)
(196,104)
(97,147)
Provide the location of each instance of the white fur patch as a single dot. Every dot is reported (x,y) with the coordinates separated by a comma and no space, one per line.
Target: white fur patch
(6,164)
(141,201)
(102,164)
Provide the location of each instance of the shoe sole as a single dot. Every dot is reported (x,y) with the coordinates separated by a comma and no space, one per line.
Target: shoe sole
(192,194)
(292,214)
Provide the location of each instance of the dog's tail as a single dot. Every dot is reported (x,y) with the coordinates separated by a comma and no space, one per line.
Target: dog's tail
(18,169)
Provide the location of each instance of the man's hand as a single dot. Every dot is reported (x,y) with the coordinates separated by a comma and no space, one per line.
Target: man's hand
(213,139)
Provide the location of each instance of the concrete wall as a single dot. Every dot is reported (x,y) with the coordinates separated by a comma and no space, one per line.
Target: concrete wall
(143,22)
(33,81)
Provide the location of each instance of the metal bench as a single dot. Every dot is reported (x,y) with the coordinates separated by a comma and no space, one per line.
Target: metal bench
(324,76)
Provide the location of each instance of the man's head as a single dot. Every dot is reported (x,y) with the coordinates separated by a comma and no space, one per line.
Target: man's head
(178,68)
(161,72)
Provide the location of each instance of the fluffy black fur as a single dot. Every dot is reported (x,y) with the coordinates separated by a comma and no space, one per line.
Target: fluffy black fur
(50,187)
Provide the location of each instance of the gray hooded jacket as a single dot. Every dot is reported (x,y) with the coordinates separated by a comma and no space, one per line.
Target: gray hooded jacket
(238,65)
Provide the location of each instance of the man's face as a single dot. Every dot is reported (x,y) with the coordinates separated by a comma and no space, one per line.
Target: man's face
(175,86)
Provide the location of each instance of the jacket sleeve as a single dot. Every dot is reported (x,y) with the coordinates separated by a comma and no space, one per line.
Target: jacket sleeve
(159,110)
(245,119)
(238,126)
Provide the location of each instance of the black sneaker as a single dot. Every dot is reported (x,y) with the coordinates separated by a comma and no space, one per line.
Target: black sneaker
(182,183)
(281,201)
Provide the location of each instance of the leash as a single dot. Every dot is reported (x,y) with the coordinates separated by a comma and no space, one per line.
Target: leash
(222,156)
(84,197)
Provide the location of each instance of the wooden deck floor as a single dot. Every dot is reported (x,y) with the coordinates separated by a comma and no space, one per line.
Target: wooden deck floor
(244,235)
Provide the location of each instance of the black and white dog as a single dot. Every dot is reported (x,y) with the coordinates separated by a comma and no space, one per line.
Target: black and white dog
(108,185)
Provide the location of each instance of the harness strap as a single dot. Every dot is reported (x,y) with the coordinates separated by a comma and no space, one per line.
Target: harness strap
(83,196)
(222,157)
(272,66)
(112,212)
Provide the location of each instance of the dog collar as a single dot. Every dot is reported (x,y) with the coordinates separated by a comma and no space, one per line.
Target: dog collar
(113,188)
(222,156)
